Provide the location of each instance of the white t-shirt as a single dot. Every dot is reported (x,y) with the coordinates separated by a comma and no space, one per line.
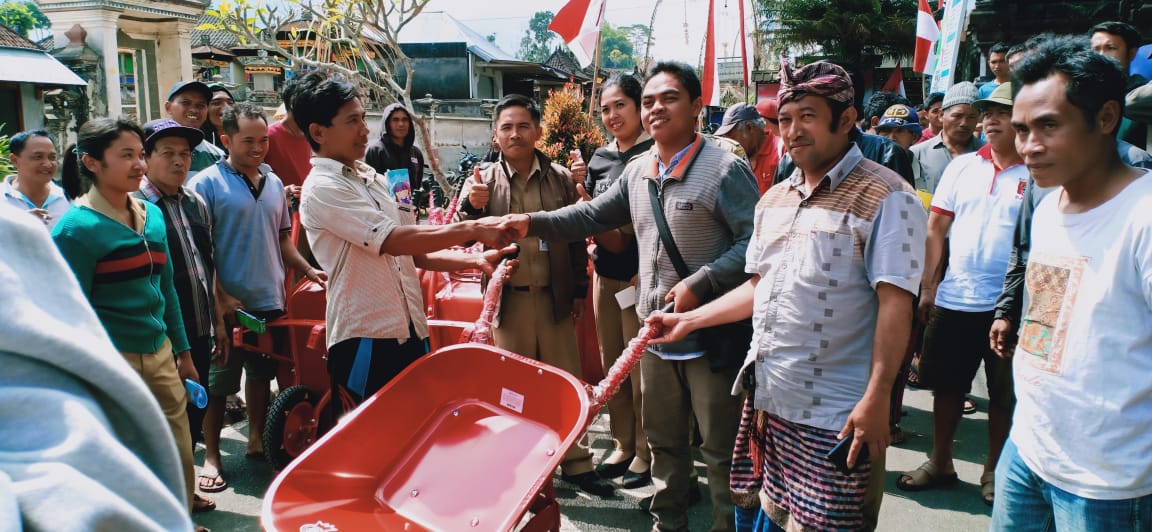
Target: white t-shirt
(1083,366)
(984,202)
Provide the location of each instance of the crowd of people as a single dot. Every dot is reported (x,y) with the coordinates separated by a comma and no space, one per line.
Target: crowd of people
(803,264)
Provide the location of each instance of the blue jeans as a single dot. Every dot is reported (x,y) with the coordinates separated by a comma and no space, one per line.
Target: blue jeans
(1025,502)
(754,520)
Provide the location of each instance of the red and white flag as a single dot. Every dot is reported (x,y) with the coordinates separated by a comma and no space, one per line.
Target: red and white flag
(710,81)
(895,82)
(578,23)
(927,33)
(746,48)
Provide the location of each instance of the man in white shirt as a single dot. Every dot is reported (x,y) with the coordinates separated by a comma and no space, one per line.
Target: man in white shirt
(1078,454)
(370,245)
(976,204)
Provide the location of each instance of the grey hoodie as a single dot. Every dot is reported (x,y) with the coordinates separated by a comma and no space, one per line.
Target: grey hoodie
(83,445)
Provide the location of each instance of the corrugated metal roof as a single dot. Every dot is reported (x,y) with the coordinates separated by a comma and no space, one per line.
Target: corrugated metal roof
(22,65)
(440,27)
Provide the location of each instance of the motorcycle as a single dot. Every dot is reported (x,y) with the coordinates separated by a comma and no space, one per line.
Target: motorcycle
(454,177)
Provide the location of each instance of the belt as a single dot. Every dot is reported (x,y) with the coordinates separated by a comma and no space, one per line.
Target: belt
(530,288)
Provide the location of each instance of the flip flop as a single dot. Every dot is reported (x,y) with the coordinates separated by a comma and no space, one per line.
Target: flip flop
(988,487)
(216,484)
(925,477)
(202,504)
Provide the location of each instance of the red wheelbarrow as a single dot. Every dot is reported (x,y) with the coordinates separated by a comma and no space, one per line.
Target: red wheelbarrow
(466,438)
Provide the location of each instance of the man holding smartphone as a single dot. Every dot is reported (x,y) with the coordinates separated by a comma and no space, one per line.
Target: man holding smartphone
(250,226)
(835,257)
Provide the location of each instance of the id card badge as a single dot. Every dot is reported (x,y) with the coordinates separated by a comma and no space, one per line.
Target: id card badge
(627,297)
(543,246)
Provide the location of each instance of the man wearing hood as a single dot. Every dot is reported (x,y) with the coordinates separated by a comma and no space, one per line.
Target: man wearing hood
(396,148)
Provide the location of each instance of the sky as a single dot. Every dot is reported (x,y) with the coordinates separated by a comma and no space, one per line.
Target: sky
(508,20)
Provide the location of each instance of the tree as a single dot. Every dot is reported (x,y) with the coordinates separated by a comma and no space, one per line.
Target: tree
(357,39)
(537,41)
(616,48)
(856,33)
(639,34)
(22,17)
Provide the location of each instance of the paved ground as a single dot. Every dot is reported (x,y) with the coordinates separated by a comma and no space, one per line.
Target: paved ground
(955,509)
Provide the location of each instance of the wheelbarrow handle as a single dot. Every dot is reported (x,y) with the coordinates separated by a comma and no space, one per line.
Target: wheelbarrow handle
(491,303)
(610,384)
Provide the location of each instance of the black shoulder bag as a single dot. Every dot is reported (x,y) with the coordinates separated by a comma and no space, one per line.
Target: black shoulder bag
(725,345)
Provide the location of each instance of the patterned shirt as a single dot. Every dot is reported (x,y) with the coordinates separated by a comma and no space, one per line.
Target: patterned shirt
(190,246)
(820,256)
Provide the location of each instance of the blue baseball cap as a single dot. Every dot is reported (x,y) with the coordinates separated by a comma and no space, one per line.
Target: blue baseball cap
(900,115)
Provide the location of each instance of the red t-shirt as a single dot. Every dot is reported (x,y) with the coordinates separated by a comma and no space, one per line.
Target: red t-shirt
(288,155)
(766,160)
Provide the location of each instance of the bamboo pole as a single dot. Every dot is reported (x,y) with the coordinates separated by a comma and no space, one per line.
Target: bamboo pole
(595,70)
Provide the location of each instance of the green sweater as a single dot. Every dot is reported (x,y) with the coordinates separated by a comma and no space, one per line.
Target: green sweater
(125,275)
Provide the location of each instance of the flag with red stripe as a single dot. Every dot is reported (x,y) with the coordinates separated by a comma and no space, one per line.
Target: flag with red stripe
(895,82)
(927,33)
(711,79)
(578,23)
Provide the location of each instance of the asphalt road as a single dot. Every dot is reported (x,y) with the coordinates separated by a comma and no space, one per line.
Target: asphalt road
(954,509)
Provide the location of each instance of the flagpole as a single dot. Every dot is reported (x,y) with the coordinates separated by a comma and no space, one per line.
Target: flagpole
(595,71)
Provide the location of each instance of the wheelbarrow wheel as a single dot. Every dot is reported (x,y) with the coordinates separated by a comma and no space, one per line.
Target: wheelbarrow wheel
(292,425)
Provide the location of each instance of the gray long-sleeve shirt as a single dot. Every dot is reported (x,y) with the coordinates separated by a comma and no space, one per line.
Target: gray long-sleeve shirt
(708,199)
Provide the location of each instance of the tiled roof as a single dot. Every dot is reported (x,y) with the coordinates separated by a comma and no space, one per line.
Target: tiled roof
(11,39)
(214,38)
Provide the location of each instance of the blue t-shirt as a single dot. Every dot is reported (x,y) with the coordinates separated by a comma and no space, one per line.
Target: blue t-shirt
(246,226)
(986,89)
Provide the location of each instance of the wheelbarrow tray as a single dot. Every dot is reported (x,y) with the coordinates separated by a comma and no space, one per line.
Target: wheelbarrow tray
(463,439)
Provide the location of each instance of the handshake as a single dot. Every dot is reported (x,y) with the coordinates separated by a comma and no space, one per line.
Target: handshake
(498,232)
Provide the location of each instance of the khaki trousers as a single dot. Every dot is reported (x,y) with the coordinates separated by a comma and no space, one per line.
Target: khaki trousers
(874,495)
(615,327)
(159,373)
(674,390)
(527,329)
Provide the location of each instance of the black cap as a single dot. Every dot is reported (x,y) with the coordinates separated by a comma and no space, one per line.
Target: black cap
(217,87)
(197,86)
(166,127)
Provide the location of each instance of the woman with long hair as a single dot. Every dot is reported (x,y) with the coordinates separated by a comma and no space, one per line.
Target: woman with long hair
(118,248)
(616,263)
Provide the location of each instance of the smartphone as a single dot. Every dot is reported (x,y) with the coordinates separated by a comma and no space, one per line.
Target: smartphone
(250,322)
(839,454)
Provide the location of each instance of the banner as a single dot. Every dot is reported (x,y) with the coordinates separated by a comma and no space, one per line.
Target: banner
(951,29)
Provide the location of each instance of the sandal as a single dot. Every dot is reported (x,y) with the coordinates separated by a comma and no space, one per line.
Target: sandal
(969,406)
(988,487)
(202,504)
(925,477)
(897,435)
(215,484)
(234,406)
(914,375)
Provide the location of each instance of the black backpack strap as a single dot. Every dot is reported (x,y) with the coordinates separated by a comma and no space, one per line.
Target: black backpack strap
(665,231)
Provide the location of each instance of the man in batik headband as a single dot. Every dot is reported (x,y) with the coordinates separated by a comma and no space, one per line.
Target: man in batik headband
(831,304)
